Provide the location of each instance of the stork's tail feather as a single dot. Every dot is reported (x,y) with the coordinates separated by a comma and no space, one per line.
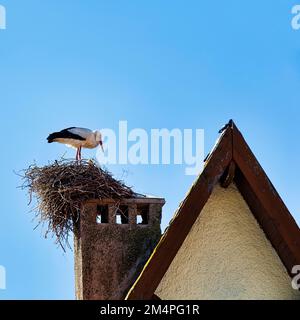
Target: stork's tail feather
(51,138)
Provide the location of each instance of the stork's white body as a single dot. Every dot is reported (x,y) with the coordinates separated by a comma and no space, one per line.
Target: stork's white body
(89,136)
(77,138)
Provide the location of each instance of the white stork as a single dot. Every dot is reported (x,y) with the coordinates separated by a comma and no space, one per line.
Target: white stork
(77,138)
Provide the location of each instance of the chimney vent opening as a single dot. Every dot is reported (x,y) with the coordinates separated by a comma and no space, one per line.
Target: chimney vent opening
(102,214)
(142,216)
(122,215)
(139,219)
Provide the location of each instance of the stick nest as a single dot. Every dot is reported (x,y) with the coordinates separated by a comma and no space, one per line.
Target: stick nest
(61,188)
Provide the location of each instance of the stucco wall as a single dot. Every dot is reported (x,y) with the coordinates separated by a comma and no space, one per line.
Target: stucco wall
(226,256)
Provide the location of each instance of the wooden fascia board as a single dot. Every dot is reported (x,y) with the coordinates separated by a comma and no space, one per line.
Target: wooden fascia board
(265,203)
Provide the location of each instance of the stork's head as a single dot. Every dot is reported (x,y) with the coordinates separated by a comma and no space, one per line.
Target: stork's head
(98,138)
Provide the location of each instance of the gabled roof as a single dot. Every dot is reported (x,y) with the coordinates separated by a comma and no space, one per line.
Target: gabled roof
(231,160)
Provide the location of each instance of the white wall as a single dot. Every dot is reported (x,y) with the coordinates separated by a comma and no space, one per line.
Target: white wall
(226,256)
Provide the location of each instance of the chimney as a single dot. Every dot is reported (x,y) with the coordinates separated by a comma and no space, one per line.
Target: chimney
(112,243)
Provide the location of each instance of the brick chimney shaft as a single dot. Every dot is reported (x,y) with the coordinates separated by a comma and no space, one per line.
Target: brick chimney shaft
(111,246)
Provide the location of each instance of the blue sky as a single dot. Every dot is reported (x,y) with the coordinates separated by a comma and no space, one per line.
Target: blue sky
(156,64)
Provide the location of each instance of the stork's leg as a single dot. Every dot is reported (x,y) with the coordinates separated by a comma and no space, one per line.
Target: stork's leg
(80,153)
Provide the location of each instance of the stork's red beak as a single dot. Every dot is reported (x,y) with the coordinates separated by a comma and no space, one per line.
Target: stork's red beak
(101,145)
